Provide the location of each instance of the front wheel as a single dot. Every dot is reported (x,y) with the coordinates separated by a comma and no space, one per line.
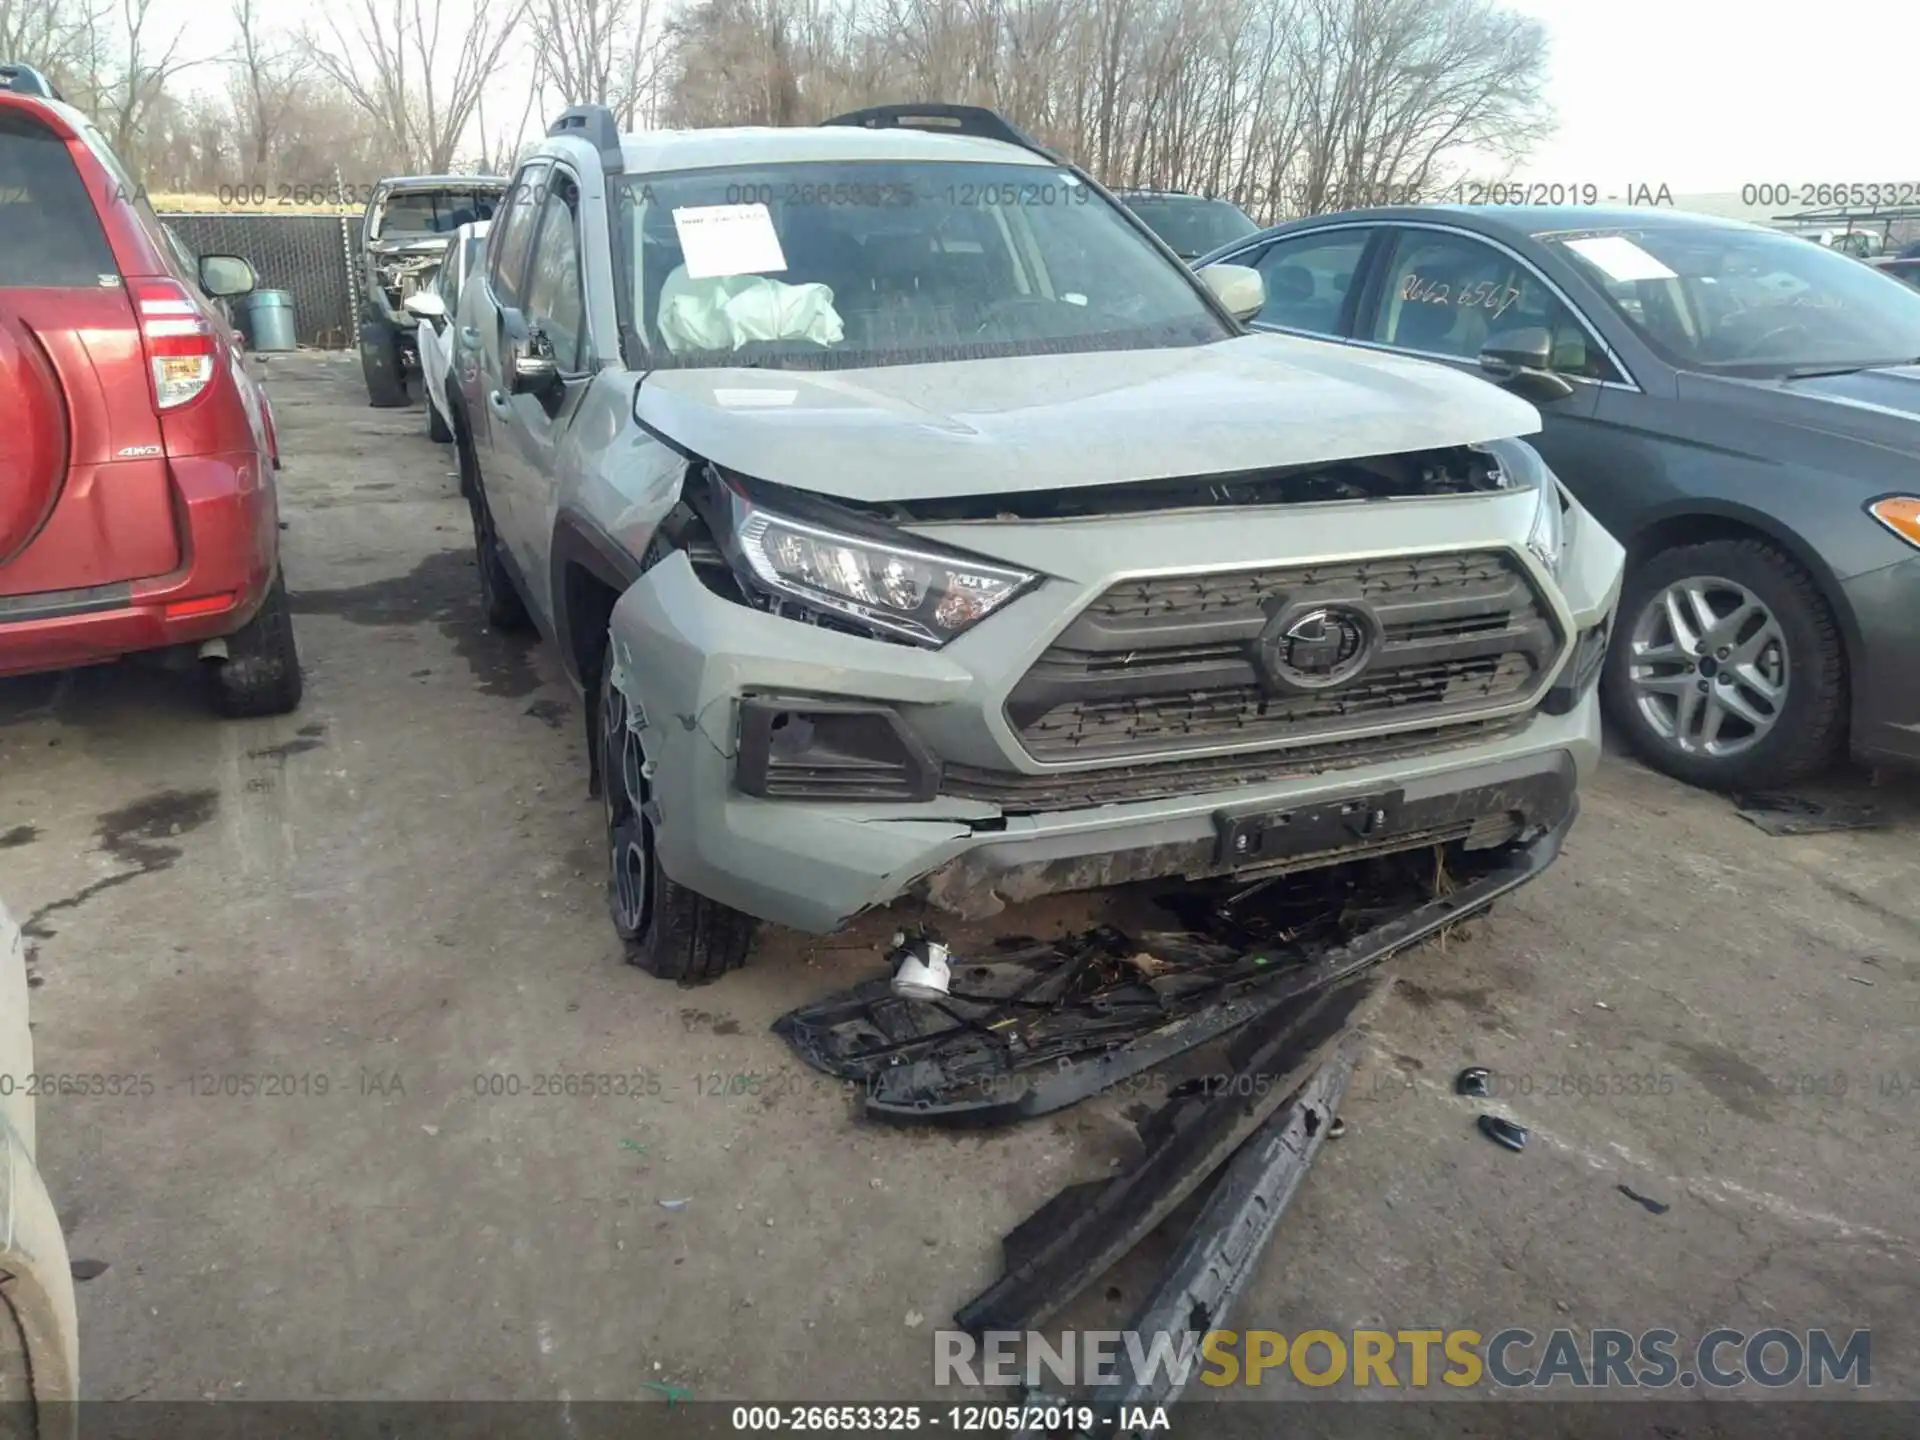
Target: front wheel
(666,929)
(386,381)
(1727,668)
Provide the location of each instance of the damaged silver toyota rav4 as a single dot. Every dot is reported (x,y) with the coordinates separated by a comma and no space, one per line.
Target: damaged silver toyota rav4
(916,524)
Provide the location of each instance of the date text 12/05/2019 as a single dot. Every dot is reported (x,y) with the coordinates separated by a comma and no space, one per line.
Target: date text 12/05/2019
(1636,194)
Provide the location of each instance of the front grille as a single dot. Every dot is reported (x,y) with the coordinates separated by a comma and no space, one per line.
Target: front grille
(1169,662)
(1117,784)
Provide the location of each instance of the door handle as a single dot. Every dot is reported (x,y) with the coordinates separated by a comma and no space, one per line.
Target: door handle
(470,335)
(499,403)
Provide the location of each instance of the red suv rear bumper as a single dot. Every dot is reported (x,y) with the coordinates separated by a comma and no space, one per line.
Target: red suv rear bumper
(229,543)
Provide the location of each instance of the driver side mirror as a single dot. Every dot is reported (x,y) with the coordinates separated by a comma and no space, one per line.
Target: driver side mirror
(1522,361)
(426,305)
(1238,288)
(535,370)
(226,277)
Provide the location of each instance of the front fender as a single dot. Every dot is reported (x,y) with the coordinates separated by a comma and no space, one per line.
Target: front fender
(36,1284)
(36,1297)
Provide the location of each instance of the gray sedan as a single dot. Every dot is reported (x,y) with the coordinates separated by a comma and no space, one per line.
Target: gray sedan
(1740,407)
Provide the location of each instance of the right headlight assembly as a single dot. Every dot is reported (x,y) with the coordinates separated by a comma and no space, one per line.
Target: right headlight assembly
(1551,531)
(896,588)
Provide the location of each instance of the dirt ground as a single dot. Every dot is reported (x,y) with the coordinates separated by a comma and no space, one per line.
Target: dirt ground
(392,902)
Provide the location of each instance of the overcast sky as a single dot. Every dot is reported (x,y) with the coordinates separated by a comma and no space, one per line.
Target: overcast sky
(1707,95)
(1698,95)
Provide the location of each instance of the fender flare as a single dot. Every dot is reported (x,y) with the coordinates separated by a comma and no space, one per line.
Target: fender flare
(579,542)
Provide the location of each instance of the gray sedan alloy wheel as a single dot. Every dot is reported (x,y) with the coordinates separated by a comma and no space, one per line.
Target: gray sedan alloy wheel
(1708,667)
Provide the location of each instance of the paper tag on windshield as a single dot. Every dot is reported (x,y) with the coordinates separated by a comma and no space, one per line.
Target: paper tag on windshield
(728,240)
(1620,259)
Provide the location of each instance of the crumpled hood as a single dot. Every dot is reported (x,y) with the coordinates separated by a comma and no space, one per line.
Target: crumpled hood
(410,247)
(1039,422)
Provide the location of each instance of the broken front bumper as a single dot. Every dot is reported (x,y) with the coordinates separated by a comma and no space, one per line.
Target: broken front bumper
(685,658)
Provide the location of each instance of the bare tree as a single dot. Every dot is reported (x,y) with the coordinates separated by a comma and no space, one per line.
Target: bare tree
(50,35)
(1285,105)
(265,86)
(129,67)
(416,67)
(598,52)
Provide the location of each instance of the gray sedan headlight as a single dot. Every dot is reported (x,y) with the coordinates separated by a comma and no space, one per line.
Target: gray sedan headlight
(922,595)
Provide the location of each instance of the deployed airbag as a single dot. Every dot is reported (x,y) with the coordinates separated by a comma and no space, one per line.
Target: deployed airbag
(725,312)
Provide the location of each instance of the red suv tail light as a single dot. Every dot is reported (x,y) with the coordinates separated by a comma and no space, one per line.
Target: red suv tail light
(180,344)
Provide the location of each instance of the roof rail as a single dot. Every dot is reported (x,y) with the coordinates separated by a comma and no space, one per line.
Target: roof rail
(595,125)
(25,80)
(974,120)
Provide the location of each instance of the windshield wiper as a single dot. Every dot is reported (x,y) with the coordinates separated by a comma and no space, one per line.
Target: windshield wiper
(1817,372)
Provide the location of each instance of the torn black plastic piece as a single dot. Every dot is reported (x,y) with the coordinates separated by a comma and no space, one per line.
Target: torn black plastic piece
(1030,1031)
(1197,1290)
(1582,672)
(1781,814)
(1082,1232)
(1503,1132)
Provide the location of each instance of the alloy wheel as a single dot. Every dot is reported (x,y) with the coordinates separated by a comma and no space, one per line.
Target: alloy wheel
(629,834)
(1708,667)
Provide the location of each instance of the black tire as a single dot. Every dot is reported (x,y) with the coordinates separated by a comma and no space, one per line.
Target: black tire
(1809,731)
(665,929)
(437,430)
(500,601)
(386,381)
(464,463)
(261,674)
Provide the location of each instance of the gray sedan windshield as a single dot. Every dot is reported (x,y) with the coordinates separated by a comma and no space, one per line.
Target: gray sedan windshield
(880,263)
(1748,302)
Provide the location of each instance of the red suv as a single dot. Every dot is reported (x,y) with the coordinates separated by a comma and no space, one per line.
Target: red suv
(137,508)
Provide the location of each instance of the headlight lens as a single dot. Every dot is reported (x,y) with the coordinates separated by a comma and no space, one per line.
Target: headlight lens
(1524,469)
(1548,537)
(920,595)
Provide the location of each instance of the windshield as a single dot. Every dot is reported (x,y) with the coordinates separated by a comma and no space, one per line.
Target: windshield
(850,264)
(1748,302)
(434,212)
(1191,227)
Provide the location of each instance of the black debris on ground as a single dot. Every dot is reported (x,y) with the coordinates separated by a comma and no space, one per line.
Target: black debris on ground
(1029,1026)
(1778,813)
(1475,1080)
(1503,1132)
(1645,1202)
(1087,1228)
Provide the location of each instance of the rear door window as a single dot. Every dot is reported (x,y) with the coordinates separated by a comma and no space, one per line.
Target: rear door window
(50,235)
(1308,278)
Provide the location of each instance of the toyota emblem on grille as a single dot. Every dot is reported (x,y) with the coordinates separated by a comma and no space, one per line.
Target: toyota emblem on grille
(1316,647)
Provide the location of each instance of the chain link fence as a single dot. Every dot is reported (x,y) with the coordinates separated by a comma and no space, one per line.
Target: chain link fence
(308,256)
